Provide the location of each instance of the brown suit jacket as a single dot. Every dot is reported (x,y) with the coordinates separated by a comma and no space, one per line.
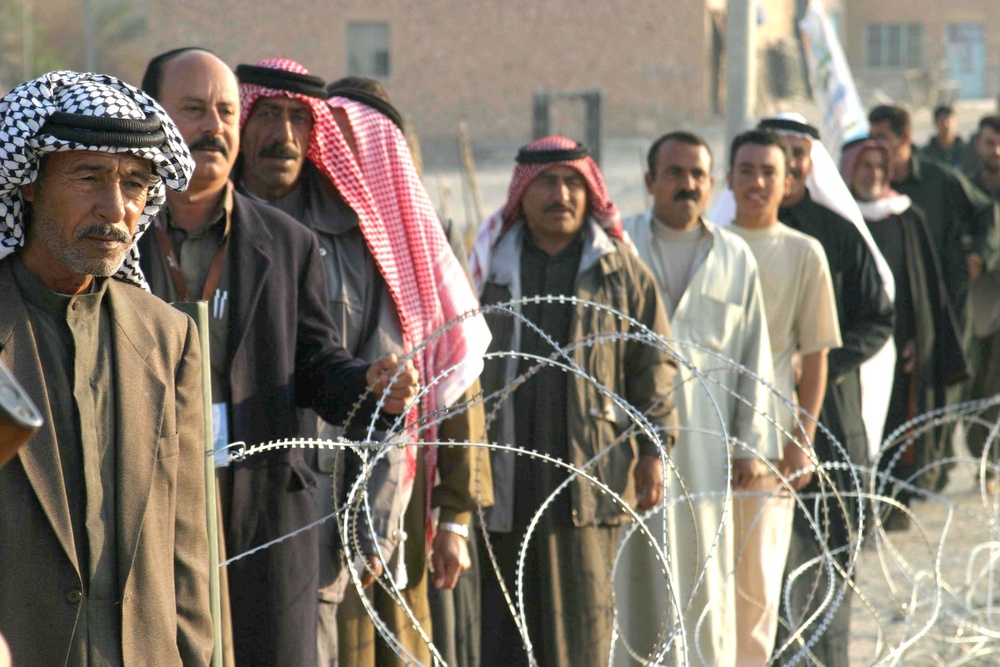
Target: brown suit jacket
(162,540)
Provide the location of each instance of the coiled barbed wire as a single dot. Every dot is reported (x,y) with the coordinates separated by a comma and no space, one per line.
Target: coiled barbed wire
(923,604)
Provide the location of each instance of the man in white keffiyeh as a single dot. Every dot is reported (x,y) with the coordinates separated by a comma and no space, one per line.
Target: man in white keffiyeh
(108,542)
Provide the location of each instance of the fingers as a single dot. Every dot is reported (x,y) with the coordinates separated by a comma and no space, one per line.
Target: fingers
(396,383)
(648,482)
(655,495)
(446,569)
(649,495)
(372,572)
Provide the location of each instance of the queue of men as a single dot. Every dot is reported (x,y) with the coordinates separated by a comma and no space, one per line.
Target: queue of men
(684,366)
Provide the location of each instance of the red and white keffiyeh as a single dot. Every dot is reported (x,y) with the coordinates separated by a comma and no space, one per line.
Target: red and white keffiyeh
(889,202)
(405,237)
(599,204)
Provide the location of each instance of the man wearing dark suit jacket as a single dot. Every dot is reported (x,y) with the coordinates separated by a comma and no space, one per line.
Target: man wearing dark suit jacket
(102,534)
(274,349)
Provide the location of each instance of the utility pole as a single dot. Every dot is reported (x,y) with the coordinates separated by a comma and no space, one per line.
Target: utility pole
(741,66)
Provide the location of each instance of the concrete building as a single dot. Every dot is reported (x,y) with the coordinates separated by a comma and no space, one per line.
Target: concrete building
(656,63)
(924,51)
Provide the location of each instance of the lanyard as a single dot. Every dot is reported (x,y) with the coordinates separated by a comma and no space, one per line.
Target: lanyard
(174,265)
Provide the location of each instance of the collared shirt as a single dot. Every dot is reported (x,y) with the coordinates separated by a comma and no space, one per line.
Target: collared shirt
(540,404)
(73,334)
(677,255)
(195,250)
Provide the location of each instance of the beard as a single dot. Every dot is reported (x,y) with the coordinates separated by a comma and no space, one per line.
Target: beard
(72,255)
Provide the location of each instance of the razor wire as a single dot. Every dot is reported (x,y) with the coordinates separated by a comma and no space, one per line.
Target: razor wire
(915,601)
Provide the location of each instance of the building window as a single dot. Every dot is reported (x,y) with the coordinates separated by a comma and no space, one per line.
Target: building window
(894,45)
(368,49)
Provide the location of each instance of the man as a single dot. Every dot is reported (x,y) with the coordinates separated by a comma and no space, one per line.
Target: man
(102,538)
(274,349)
(930,356)
(987,178)
(801,320)
(560,235)
(709,286)
(945,146)
(455,612)
(343,169)
(962,220)
(984,345)
(963,223)
(864,313)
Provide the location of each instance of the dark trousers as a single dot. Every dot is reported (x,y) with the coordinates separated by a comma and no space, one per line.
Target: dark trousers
(808,593)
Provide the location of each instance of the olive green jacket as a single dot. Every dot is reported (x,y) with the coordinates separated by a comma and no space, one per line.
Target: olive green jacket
(641,374)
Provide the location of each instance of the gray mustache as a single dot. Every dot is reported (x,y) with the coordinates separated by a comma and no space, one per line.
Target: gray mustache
(105,231)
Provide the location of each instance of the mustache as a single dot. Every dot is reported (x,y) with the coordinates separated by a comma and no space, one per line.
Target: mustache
(277,150)
(209,142)
(556,208)
(104,231)
(691,195)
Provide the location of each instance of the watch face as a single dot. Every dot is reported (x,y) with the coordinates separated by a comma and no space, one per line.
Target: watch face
(19,418)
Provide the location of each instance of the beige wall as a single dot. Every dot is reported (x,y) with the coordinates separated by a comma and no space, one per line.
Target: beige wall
(478,59)
(935,16)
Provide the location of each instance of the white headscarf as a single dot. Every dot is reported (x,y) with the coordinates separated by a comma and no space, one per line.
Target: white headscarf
(827,188)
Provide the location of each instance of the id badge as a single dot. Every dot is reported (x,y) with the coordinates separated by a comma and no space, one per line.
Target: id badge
(220,434)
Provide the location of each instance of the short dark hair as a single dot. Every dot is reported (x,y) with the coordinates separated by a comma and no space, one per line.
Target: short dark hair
(362,83)
(897,117)
(680,136)
(153,77)
(943,110)
(765,137)
(991,121)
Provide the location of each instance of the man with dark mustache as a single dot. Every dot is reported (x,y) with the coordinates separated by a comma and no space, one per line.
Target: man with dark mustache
(274,349)
(338,162)
(560,235)
(709,283)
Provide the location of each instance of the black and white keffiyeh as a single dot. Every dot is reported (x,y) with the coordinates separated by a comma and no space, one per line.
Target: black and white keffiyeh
(25,138)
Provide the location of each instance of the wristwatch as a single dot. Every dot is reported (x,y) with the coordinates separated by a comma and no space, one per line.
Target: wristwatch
(452,527)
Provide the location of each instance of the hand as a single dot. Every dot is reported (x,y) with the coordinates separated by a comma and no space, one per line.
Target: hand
(373,572)
(746,472)
(796,458)
(648,482)
(797,367)
(449,558)
(975,263)
(402,389)
(909,356)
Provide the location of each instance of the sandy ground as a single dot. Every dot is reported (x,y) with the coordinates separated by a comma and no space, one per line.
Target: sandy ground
(934,587)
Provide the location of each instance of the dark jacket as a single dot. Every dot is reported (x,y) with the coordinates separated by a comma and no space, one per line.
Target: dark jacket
(939,359)
(162,545)
(610,275)
(866,323)
(961,219)
(285,354)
